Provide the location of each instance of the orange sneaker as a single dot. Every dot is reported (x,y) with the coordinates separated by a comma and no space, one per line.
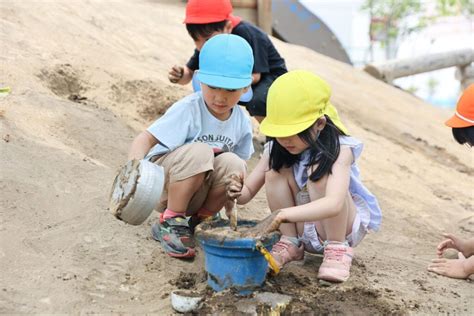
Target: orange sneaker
(285,251)
(336,263)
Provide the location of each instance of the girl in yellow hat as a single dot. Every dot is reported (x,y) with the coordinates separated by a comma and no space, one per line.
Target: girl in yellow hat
(311,179)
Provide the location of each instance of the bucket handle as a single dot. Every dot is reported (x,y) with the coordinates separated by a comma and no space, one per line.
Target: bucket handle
(268,256)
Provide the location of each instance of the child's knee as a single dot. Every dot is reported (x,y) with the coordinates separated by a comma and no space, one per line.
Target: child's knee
(228,163)
(270,176)
(199,153)
(187,161)
(231,162)
(317,189)
(273,175)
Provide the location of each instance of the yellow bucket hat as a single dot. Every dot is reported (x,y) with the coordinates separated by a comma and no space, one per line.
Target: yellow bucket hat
(295,101)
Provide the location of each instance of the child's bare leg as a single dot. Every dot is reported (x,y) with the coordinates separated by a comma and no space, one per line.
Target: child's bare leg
(337,256)
(181,192)
(338,227)
(335,228)
(300,228)
(216,199)
(281,190)
(186,168)
(224,165)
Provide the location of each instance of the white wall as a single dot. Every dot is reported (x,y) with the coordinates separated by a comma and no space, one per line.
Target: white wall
(351,26)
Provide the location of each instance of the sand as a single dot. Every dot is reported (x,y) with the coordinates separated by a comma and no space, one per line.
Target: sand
(88,76)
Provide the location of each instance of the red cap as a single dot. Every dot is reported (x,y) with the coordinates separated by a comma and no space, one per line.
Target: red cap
(207,11)
(464,115)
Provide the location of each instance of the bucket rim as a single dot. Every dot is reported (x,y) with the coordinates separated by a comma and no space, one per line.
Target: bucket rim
(205,235)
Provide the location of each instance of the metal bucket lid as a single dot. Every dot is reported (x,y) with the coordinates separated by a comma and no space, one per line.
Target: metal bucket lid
(136,191)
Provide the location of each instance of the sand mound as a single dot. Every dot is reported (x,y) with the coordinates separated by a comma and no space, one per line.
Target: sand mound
(87,77)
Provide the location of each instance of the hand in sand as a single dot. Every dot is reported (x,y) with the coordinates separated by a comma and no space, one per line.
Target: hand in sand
(454,268)
(175,74)
(233,185)
(267,225)
(453,242)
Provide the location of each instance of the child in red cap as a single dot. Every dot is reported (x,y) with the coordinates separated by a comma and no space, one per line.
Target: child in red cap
(207,18)
(462,124)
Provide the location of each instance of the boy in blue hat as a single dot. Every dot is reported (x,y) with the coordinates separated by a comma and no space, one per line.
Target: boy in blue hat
(200,140)
(207,18)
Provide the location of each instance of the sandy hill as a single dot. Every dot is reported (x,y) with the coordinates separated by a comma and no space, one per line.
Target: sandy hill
(87,76)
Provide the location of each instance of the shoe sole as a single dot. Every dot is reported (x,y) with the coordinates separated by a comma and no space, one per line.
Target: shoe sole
(333,279)
(191,253)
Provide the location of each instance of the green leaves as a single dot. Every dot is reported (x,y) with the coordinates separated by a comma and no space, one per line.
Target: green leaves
(388,17)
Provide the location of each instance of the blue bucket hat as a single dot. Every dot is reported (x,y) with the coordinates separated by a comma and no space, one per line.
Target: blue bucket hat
(226,61)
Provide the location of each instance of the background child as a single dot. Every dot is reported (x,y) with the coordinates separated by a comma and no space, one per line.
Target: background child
(460,268)
(462,124)
(207,18)
(199,140)
(312,182)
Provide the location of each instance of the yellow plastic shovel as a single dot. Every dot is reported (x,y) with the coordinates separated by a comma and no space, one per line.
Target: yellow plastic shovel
(268,256)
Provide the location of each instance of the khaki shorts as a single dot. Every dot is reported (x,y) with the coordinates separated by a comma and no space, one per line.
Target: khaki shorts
(192,159)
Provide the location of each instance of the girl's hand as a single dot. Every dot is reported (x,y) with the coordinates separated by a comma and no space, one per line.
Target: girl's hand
(452,242)
(267,225)
(233,185)
(272,222)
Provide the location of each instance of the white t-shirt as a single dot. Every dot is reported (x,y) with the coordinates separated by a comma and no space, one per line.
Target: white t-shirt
(189,120)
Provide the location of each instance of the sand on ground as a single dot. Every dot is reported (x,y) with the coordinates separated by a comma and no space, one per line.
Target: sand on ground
(88,76)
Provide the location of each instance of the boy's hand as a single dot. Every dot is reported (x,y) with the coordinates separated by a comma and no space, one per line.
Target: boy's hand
(233,185)
(176,73)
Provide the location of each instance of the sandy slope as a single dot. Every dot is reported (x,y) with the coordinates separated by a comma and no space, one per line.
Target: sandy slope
(87,76)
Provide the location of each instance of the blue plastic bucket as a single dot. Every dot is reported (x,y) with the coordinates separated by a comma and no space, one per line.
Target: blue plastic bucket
(234,263)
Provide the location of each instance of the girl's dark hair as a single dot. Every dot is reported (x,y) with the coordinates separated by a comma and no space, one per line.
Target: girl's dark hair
(464,135)
(205,30)
(324,150)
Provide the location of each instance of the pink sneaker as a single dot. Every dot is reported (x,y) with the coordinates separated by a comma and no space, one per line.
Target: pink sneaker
(285,251)
(336,263)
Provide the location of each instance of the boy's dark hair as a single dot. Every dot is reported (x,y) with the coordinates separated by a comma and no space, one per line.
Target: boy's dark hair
(205,30)
(324,150)
(464,135)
